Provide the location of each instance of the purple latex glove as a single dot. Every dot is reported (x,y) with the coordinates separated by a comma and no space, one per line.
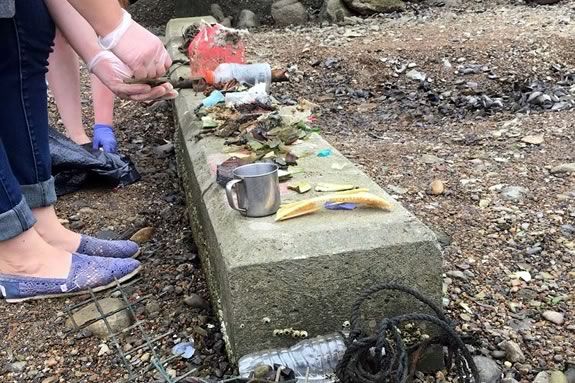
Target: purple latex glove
(104,138)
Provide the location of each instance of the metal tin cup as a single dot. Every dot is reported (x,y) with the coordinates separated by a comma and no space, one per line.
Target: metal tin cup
(256,187)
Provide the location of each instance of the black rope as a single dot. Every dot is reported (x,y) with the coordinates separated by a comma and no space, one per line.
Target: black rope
(384,356)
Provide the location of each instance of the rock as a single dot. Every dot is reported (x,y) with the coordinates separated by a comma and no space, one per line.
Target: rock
(437,187)
(570,374)
(542,377)
(17,367)
(261,371)
(104,349)
(369,7)
(557,377)
(416,75)
(159,106)
(567,230)
(227,21)
(514,193)
(564,168)
(195,301)
(143,235)
(457,274)
(163,151)
(554,317)
(216,11)
(145,357)
(51,379)
(334,10)
(247,19)
(498,354)
(51,362)
(289,12)
(536,139)
(513,352)
(430,159)
(152,308)
(489,371)
(117,321)
(542,2)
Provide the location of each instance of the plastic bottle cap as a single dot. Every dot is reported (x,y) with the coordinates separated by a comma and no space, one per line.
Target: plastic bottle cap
(209,77)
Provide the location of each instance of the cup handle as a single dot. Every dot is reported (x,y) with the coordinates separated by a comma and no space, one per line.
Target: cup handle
(230,194)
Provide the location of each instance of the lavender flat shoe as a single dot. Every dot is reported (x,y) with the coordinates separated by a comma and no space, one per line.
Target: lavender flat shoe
(104,248)
(86,272)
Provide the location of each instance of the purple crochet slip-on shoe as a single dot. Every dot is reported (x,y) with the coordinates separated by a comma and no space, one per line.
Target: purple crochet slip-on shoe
(105,248)
(86,272)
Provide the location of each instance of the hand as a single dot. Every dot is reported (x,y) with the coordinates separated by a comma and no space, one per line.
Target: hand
(104,138)
(112,72)
(138,48)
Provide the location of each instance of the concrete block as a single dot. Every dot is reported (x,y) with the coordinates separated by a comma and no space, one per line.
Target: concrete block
(303,273)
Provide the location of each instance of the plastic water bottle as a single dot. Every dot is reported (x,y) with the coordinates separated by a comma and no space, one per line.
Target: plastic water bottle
(251,74)
(320,355)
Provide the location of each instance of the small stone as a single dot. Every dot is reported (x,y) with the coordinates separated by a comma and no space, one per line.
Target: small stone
(163,151)
(104,349)
(437,187)
(567,230)
(195,301)
(171,372)
(143,235)
(51,379)
(554,317)
(542,377)
(570,374)
(51,362)
(564,168)
(489,371)
(247,19)
(430,159)
(416,75)
(152,308)
(513,352)
(261,371)
(117,321)
(498,354)
(514,193)
(536,139)
(18,367)
(145,357)
(557,377)
(457,274)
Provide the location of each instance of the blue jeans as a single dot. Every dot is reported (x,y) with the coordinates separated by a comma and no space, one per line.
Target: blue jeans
(25,169)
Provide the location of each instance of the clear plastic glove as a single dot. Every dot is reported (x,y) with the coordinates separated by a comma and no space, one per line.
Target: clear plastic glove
(104,138)
(138,48)
(112,72)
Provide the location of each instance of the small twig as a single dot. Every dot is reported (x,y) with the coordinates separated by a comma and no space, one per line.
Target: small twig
(279,372)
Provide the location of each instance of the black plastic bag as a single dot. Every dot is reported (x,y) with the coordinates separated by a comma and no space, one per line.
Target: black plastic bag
(74,166)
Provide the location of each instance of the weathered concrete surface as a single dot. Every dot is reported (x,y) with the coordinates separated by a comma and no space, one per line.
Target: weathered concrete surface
(303,273)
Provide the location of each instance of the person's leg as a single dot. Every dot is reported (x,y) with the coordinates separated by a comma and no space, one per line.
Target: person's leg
(28,264)
(20,244)
(26,140)
(64,81)
(103,100)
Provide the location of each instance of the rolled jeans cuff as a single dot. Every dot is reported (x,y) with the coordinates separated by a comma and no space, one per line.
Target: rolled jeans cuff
(42,194)
(16,221)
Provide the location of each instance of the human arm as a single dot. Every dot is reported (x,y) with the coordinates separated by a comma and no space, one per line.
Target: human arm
(140,49)
(105,65)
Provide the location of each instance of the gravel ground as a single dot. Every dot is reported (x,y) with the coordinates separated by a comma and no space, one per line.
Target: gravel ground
(503,214)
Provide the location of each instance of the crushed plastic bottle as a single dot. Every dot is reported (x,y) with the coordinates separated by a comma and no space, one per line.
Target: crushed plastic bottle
(250,74)
(320,355)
